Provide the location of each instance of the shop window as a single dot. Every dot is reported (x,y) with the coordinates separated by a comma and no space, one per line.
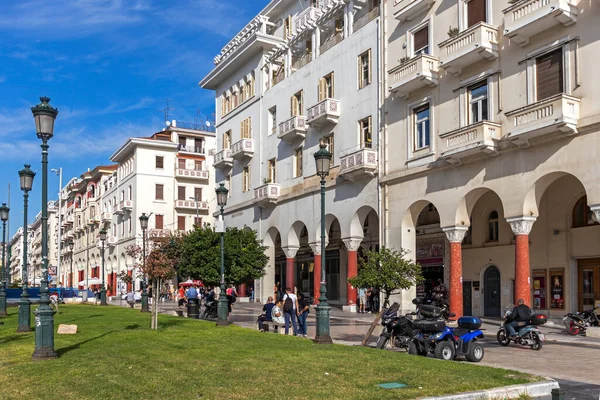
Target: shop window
(493,227)
(582,215)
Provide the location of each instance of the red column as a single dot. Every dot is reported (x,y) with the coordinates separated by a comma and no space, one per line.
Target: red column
(521,227)
(352,246)
(317,279)
(129,285)
(455,236)
(242,290)
(290,254)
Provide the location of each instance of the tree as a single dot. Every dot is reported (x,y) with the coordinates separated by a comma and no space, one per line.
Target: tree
(387,270)
(245,257)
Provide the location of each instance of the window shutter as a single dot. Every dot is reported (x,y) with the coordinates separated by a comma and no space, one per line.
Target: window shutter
(370,68)
(242,129)
(421,38)
(301,104)
(476,11)
(249,127)
(549,74)
(332,86)
(322,89)
(360,73)
(294,106)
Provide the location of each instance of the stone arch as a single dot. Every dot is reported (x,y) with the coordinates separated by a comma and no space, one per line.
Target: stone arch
(358,221)
(270,238)
(465,206)
(329,220)
(294,234)
(535,193)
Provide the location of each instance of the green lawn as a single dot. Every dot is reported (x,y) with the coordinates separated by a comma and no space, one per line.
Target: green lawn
(115,356)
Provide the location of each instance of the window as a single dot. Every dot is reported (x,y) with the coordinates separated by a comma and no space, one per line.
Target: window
(180,192)
(273,119)
(364,69)
(298,162)
(197,221)
(476,12)
(326,89)
(250,87)
(339,25)
(297,104)
(421,132)
(478,103)
(158,221)
(271,170)
(549,74)
(130,224)
(198,194)
(246,128)
(159,162)
(227,140)
(199,145)
(198,165)
(366,139)
(469,236)
(181,163)
(329,141)
(314,3)
(246,179)
(158,192)
(582,215)
(242,93)
(182,141)
(493,227)
(181,223)
(287,27)
(421,41)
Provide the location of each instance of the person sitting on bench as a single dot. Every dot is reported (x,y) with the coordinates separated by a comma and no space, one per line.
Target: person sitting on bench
(266,315)
(277,316)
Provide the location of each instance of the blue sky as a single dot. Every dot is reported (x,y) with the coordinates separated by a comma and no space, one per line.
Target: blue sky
(108,66)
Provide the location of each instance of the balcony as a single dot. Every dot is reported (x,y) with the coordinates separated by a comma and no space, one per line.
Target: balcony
(110,241)
(405,10)
(556,115)
(365,19)
(326,112)
(479,42)
(306,20)
(70,219)
(293,129)
(106,217)
(223,159)
(414,74)
(301,62)
(267,195)
(358,163)
(479,138)
(191,205)
(527,18)
(195,174)
(191,149)
(242,148)
(332,41)
(124,206)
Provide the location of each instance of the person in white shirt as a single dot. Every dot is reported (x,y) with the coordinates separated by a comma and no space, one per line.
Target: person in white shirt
(290,305)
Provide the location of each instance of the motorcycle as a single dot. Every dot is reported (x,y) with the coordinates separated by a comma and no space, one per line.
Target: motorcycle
(578,322)
(210,310)
(397,330)
(528,334)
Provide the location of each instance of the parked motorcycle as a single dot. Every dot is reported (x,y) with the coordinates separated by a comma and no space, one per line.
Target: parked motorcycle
(578,322)
(210,310)
(527,335)
(397,329)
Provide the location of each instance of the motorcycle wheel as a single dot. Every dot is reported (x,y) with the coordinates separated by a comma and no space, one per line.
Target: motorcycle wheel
(573,329)
(413,349)
(382,342)
(537,345)
(444,350)
(503,340)
(475,352)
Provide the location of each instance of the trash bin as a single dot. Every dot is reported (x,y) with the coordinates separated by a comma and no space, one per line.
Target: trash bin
(83,294)
(193,308)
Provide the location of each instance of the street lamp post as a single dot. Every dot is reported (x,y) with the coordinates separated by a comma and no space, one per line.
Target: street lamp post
(26,177)
(144,226)
(195,198)
(70,244)
(323,161)
(221,202)
(44,116)
(103,289)
(4,217)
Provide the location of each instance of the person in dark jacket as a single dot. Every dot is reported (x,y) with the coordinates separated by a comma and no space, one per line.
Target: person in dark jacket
(520,315)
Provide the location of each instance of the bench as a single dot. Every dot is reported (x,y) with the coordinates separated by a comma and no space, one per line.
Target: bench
(271,327)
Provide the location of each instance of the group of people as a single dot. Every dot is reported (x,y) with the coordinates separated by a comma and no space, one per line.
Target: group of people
(208,294)
(367,300)
(287,310)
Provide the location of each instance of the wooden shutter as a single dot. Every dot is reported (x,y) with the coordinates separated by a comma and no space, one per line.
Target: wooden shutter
(369,133)
(301,103)
(181,223)
(158,194)
(198,194)
(361,83)
(181,163)
(332,94)
(294,105)
(249,127)
(370,68)
(158,221)
(242,125)
(180,192)
(476,11)
(322,89)
(421,38)
(159,162)
(549,74)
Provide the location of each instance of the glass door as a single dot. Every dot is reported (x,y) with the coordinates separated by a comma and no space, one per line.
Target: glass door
(589,286)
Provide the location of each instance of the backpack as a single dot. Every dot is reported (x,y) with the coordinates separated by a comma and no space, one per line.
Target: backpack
(288,305)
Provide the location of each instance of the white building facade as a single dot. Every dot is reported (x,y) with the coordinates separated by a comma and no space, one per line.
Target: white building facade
(298,73)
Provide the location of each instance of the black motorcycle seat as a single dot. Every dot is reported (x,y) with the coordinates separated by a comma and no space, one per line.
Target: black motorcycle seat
(429,326)
(460,331)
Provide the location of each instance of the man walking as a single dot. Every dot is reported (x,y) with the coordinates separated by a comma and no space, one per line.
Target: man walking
(131,298)
(290,305)
(362,298)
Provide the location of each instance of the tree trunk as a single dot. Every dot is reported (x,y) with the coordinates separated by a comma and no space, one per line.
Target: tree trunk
(153,323)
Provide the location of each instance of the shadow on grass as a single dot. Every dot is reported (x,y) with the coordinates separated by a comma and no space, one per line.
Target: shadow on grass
(80,318)
(13,338)
(170,323)
(78,345)
(132,327)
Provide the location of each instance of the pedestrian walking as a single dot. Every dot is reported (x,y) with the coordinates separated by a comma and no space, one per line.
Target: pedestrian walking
(131,298)
(303,310)
(290,305)
(362,299)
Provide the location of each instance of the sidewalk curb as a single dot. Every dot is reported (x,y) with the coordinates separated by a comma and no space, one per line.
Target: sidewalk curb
(536,389)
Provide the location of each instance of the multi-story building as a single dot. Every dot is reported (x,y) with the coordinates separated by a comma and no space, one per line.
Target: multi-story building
(16,256)
(66,209)
(488,163)
(34,244)
(298,73)
(168,176)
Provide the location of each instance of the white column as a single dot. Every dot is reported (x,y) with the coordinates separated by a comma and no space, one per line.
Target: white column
(288,64)
(317,42)
(346,21)
(314,42)
(350,27)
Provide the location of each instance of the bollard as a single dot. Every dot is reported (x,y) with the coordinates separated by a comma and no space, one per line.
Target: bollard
(193,309)
(558,394)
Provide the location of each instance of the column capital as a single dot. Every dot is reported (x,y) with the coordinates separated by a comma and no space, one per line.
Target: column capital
(455,234)
(596,210)
(316,247)
(352,244)
(521,225)
(290,251)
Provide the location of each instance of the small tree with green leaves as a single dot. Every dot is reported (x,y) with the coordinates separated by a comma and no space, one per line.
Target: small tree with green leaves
(389,271)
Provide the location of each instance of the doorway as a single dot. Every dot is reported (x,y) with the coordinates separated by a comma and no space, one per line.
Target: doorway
(491,297)
(467,301)
(588,282)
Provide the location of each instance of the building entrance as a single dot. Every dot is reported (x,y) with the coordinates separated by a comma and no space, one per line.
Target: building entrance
(588,283)
(491,296)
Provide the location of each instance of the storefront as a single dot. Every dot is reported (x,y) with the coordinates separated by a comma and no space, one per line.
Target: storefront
(430,255)
(588,282)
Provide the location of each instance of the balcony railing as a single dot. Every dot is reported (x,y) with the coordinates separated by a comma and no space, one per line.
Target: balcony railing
(556,115)
(106,217)
(192,174)
(479,42)
(525,19)
(242,148)
(191,205)
(358,163)
(306,19)
(223,159)
(365,19)
(124,205)
(331,42)
(479,138)
(192,149)
(408,9)
(323,113)
(414,74)
(296,65)
(293,128)
(267,194)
